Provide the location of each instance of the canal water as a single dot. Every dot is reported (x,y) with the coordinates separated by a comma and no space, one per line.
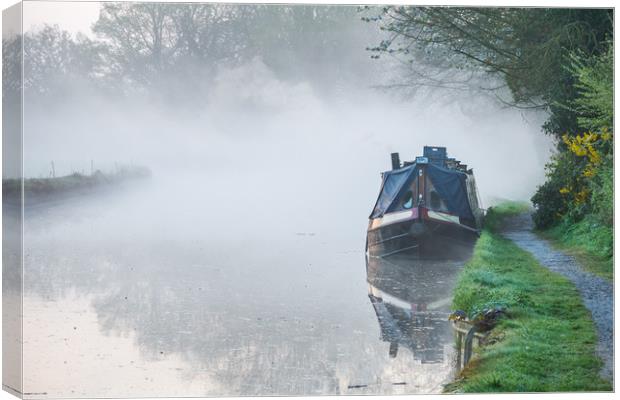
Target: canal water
(139,294)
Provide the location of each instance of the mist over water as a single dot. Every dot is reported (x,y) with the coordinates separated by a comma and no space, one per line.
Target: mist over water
(300,115)
(238,268)
(273,146)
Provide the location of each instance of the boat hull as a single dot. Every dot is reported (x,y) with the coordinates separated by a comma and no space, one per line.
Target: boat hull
(422,237)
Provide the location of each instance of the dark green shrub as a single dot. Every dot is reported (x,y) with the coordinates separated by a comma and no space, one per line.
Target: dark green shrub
(603,193)
(551,201)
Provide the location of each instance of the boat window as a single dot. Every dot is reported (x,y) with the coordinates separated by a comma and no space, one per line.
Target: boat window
(407,200)
(435,200)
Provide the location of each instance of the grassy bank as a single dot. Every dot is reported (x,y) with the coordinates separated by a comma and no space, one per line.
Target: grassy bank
(590,242)
(548,341)
(39,188)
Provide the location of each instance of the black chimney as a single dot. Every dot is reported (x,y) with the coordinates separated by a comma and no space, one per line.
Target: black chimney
(395,161)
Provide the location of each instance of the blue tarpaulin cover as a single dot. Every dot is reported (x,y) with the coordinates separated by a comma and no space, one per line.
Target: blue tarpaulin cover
(452,188)
(450,185)
(393,183)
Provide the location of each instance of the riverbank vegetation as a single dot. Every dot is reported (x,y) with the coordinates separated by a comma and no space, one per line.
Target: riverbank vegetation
(42,188)
(574,207)
(546,342)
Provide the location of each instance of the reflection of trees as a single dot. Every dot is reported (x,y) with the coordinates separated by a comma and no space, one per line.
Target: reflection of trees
(12,249)
(173,306)
(252,350)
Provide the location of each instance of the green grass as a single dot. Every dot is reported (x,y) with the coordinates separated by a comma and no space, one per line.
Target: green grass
(590,242)
(546,343)
(497,213)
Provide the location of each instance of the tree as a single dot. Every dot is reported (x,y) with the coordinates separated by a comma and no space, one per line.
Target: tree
(321,44)
(156,47)
(55,63)
(11,69)
(525,47)
(594,82)
(580,176)
(143,37)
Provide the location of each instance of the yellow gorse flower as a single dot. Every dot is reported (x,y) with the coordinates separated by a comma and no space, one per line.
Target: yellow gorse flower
(581,196)
(589,172)
(606,135)
(588,145)
(585,145)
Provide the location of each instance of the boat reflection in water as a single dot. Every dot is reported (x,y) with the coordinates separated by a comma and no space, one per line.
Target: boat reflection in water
(412,299)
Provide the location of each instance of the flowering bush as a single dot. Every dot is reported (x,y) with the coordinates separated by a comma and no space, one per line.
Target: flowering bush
(592,147)
(580,175)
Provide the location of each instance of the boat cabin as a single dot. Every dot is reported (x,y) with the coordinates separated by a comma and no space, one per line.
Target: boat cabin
(429,206)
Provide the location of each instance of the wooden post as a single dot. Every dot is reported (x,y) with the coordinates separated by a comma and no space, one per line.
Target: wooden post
(469,341)
(466,332)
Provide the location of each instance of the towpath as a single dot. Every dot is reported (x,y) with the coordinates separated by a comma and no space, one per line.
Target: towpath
(597,293)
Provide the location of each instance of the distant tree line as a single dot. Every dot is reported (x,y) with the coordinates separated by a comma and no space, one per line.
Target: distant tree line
(173,50)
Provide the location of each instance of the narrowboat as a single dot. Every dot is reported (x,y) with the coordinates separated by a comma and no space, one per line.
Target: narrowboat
(429,207)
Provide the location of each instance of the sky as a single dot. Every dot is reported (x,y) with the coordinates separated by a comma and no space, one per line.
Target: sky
(75,16)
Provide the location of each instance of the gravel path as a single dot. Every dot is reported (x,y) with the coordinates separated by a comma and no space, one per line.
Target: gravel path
(597,293)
